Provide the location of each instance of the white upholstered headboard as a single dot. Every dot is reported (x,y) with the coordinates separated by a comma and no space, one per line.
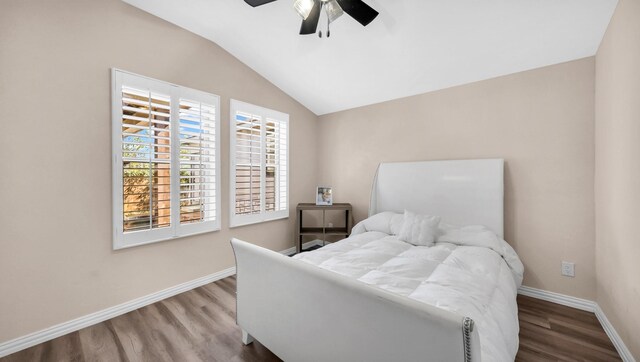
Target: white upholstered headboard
(462,192)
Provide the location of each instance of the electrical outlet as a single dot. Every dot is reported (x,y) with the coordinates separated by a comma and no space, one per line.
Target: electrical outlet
(568,269)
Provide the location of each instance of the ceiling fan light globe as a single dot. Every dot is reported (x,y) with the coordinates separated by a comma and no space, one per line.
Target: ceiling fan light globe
(303,7)
(333,10)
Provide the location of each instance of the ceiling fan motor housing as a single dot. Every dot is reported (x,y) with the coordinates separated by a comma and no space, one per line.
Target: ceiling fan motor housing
(310,11)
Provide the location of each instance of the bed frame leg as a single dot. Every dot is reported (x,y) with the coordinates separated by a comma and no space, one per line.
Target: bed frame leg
(246,338)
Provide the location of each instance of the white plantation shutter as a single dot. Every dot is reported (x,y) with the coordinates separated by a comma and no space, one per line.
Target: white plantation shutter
(165,160)
(248,148)
(276,149)
(198,161)
(146,159)
(259,164)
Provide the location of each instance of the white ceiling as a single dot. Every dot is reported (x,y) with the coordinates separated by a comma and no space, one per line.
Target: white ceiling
(413,47)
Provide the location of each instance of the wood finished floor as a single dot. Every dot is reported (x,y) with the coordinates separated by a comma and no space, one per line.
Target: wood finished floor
(199,325)
(552,332)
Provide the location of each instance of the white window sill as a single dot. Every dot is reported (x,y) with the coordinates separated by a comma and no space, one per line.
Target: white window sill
(120,244)
(238,224)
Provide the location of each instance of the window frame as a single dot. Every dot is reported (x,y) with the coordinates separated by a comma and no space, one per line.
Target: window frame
(176,230)
(264,216)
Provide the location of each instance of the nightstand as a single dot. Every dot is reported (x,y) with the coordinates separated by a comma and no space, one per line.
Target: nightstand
(322,230)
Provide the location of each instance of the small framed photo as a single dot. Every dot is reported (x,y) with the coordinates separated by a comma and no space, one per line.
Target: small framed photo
(324,196)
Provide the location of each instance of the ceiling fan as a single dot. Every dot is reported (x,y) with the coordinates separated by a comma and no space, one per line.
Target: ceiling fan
(310,11)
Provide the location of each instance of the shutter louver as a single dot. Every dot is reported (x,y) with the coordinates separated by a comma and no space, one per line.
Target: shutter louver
(197,162)
(146,160)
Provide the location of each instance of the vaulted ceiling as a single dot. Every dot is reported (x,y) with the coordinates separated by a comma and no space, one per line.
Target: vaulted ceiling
(413,47)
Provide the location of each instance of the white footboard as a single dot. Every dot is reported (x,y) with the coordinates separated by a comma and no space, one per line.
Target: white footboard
(304,313)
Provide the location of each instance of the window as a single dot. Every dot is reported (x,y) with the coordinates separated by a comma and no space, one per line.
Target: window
(259,164)
(166,165)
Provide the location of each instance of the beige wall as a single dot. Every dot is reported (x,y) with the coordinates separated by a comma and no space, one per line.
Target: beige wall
(618,173)
(541,122)
(56,261)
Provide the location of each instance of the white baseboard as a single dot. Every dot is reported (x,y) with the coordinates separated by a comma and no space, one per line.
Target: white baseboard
(573,302)
(47,334)
(586,305)
(622,349)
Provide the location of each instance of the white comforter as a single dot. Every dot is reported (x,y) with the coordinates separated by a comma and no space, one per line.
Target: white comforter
(477,277)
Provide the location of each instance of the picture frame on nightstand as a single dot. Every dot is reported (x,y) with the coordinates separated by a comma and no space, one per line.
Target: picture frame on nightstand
(324,196)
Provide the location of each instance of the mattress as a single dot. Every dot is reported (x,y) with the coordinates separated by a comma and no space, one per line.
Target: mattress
(472,279)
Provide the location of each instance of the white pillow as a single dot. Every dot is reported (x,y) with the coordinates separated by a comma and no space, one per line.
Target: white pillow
(385,222)
(420,230)
(395,224)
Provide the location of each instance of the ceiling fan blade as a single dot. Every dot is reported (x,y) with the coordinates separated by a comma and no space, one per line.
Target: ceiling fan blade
(255,3)
(310,25)
(363,13)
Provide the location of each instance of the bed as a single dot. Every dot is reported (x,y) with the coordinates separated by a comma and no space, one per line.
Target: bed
(374,297)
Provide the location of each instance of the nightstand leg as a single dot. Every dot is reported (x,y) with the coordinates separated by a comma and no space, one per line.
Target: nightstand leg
(298,235)
(346,221)
(324,228)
